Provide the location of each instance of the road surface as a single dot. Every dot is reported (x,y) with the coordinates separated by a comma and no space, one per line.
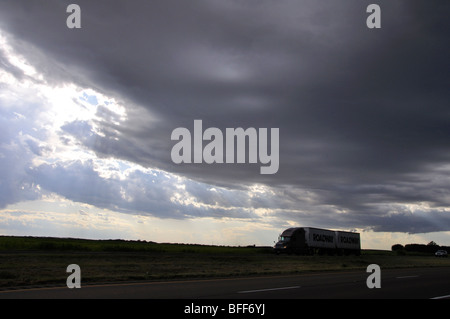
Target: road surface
(423,283)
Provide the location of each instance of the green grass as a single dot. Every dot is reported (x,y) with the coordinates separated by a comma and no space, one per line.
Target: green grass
(30,261)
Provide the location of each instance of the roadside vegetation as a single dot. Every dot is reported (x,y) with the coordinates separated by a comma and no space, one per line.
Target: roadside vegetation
(37,261)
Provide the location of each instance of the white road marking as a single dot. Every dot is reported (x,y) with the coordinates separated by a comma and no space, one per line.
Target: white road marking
(442,297)
(268,289)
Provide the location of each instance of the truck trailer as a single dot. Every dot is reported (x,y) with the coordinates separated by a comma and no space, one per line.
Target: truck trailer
(310,241)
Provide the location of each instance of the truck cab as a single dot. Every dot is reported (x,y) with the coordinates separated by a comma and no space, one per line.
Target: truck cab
(283,245)
(290,241)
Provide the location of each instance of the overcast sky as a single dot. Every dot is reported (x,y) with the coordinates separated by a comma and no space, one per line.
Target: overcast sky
(86,117)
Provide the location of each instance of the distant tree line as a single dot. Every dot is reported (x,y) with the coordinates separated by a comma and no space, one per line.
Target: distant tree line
(431,248)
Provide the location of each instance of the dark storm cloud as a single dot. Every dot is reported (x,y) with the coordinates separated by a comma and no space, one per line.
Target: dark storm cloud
(363,114)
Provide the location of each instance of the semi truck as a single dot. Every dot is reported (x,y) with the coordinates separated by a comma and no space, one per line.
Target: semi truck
(310,241)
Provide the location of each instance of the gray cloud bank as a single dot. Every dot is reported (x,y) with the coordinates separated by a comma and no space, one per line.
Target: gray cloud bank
(363,114)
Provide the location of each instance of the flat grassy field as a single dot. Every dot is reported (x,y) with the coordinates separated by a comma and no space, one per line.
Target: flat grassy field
(33,261)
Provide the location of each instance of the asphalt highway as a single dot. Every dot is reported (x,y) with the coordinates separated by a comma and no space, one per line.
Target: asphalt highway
(423,283)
